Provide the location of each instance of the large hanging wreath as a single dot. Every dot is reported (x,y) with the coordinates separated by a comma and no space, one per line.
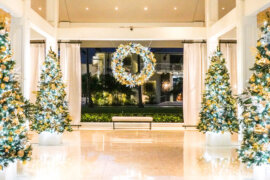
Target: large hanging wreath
(126,78)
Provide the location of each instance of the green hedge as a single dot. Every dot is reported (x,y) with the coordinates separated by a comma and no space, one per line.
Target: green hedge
(107,117)
(132,110)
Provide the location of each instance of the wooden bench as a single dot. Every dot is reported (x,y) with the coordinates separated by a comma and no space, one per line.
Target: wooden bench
(132,119)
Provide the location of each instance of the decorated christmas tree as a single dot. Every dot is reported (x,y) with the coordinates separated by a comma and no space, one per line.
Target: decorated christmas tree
(255,148)
(51,107)
(218,111)
(13,126)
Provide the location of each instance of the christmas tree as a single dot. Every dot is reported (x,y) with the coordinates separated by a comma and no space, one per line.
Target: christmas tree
(255,148)
(218,111)
(13,127)
(51,108)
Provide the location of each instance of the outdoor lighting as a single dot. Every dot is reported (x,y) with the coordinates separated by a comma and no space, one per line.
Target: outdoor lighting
(166,86)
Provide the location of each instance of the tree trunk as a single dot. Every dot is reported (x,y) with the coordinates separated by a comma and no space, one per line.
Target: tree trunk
(89,95)
(140,105)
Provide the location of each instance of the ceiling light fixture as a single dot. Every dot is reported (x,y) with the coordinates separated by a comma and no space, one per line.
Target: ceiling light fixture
(116,8)
(223,8)
(175,8)
(145,8)
(40,8)
(86,8)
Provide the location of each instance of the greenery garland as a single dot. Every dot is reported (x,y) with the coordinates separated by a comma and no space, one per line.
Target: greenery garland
(125,77)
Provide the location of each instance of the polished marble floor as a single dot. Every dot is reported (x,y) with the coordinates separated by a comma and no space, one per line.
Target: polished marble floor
(133,154)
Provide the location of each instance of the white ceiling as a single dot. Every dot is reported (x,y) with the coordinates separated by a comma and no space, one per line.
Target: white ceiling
(132,11)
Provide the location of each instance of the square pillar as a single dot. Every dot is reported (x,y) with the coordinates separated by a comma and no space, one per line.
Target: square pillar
(20,43)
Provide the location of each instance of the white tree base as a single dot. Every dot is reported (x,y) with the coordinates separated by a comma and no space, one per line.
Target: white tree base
(261,172)
(50,139)
(213,153)
(218,139)
(9,172)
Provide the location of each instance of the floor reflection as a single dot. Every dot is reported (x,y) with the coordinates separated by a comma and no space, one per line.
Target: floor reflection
(124,154)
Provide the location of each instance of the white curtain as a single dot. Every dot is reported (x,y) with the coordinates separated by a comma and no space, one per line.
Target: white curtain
(70,61)
(37,58)
(195,66)
(229,53)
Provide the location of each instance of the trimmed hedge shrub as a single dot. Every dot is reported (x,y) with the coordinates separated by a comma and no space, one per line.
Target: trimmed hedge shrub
(133,110)
(107,117)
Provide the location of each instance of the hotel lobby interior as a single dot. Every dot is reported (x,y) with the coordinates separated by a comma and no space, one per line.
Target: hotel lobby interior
(135,89)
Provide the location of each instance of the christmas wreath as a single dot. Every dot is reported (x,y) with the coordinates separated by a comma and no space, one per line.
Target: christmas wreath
(125,77)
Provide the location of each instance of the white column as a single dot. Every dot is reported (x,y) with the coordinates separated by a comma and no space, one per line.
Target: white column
(26,58)
(52,16)
(52,12)
(246,40)
(16,32)
(20,42)
(211,16)
(26,50)
(51,42)
(211,12)
(247,35)
(212,44)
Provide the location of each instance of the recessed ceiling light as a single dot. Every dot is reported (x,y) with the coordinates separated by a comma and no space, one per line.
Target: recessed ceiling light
(40,8)
(175,8)
(86,8)
(145,8)
(223,8)
(116,8)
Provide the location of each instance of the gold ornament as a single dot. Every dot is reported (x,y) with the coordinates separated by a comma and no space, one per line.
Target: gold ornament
(10,139)
(3,67)
(20,153)
(6,79)
(5,108)
(53,87)
(3,48)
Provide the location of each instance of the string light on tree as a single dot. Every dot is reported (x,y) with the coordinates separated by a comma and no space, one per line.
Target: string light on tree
(218,112)
(51,108)
(13,127)
(255,101)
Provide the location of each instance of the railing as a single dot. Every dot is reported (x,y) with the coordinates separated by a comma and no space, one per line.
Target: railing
(167,67)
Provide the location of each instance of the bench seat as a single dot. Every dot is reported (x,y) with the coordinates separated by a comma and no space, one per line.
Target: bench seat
(132,119)
(128,119)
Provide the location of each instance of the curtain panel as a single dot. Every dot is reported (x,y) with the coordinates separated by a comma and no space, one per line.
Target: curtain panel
(195,66)
(37,58)
(70,62)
